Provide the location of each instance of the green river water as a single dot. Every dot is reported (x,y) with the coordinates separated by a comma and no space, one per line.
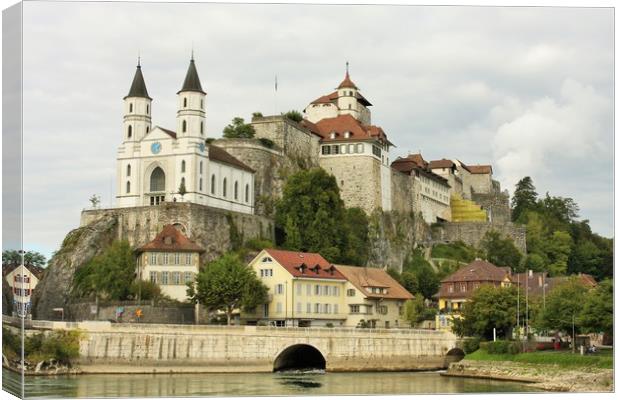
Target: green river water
(257,384)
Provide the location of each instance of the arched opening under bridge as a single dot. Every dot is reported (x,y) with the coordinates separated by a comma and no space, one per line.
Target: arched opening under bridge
(299,357)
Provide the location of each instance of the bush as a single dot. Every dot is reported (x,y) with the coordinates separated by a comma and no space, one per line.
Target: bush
(501,347)
(268,143)
(258,244)
(471,344)
(11,343)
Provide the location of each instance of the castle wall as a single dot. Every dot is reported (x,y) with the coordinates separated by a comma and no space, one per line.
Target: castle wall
(496,204)
(472,233)
(480,183)
(402,192)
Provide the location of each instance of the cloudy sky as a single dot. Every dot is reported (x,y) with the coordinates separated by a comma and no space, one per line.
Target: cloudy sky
(529,90)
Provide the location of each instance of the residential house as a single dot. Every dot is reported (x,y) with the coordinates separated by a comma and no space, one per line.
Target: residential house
(22,280)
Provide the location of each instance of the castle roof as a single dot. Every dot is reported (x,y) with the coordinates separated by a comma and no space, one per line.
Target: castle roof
(170,239)
(345,123)
(364,278)
(347,82)
(480,169)
(415,162)
(138,87)
(192,81)
(333,98)
(307,265)
(443,163)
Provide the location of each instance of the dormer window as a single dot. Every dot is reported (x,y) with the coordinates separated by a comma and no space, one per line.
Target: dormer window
(332,135)
(266,259)
(168,240)
(347,135)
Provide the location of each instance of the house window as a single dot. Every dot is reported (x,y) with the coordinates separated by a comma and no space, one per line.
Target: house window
(308,289)
(351,149)
(177,257)
(164,278)
(128,188)
(153,259)
(176,278)
(279,308)
(188,259)
(382,310)
(153,276)
(350,292)
(317,290)
(213,184)
(184,126)
(299,307)
(335,308)
(224,184)
(188,277)
(325,150)
(309,308)
(129,132)
(335,149)
(236,190)
(336,291)
(298,289)
(355,309)
(128,170)
(279,288)
(266,259)
(165,258)
(183,166)
(247,193)
(347,134)
(317,308)
(463,287)
(327,308)
(450,289)
(327,290)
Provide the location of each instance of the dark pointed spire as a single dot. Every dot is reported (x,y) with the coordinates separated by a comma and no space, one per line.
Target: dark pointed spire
(192,82)
(138,87)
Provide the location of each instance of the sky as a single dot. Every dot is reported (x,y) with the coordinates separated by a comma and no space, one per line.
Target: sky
(528,90)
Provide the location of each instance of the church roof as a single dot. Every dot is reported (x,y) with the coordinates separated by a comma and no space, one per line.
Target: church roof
(220,155)
(170,133)
(191,82)
(170,239)
(347,82)
(138,87)
(345,123)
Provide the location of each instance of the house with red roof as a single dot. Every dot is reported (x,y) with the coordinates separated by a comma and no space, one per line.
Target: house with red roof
(171,260)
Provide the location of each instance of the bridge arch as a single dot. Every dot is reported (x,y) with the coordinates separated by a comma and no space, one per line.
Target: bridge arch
(299,356)
(454,355)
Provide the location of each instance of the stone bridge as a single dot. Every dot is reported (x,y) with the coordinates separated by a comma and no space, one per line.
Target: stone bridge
(132,348)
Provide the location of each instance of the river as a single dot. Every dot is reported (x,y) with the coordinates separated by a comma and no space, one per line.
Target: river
(257,384)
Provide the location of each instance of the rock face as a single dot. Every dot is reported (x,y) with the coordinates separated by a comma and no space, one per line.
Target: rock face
(78,247)
(7,298)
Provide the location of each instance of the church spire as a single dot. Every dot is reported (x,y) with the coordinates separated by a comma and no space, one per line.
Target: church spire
(191,82)
(138,87)
(347,82)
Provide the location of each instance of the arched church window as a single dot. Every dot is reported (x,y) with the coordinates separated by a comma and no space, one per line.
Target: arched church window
(200,184)
(202,128)
(130,107)
(158,180)
(147,129)
(184,128)
(129,132)
(185,102)
(247,193)
(182,181)
(202,104)
(128,170)
(128,188)
(201,167)
(183,166)
(213,184)
(224,184)
(147,108)
(236,191)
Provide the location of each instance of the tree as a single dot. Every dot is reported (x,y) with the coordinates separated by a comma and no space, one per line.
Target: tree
(95,201)
(357,249)
(489,307)
(501,251)
(562,305)
(597,314)
(414,310)
(558,248)
(294,115)
(418,275)
(228,284)
(108,275)
(257,114)
(182,188)
(410,281)
(524,198)
(238,129)
(30,258)
(313,217)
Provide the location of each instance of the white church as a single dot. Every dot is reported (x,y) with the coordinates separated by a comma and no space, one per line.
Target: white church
(156,165)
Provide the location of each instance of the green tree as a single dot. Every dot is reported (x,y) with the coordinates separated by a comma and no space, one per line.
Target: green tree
(414,310)
(294,115)
(357,250)
(524,198)
(558,248)
(228,284)
(30,258)
(410,281)
(108,275)
(597,314)
(311,214)
(501,251)
(182,188)
(564,303)
(239,129)
(490,307)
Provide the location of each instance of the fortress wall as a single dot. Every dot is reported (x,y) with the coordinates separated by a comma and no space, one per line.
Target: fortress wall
(472,233)
(402,192)
(497,205)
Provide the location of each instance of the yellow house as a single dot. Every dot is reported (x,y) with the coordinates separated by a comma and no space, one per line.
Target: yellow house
(457,288)
(304,290)
(373,297)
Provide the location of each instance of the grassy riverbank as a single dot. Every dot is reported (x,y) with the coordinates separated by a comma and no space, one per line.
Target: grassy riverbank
(563,359)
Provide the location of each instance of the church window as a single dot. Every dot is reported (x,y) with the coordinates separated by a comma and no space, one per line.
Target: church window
(224,184)
(202,104)
(202,129)
(201,167)
(213,184)
(349,106)
(183,166)
(158,180)
(236,190)
(182,181)
(128,187)
(200,184)
(147,129)
(129,132)
(247,193)
(130,107)
(184,126)
(128,169)
(147,108)
(185,102)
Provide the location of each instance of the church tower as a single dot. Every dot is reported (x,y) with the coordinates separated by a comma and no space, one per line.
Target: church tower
(191,105)
(137,109)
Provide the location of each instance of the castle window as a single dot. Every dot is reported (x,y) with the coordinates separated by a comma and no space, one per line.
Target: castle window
(185,102)
(224,187)
(128,170)
(183,166)
(335,149)
(184,126)
(347,134)
(147,108)
(247,193)
(200,184)
(325,150)
(129,132)
(128,188)
(202,127)
(360,148)
(158,180)
(213,184)
(130,107)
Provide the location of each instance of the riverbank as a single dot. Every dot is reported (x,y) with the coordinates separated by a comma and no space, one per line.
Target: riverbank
(550,377)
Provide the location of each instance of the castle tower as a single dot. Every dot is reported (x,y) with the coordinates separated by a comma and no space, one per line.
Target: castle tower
(191,105)
(347,97)
(137,109)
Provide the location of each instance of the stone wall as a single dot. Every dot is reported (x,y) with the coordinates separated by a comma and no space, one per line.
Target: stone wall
(151,314)
(403,194)
(496,204)
(472,233)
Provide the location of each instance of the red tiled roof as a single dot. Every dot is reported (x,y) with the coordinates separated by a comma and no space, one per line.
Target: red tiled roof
(364,277)
(443,163)
(314,265)
(328,98)
(347,83)
(170,239)
(342,124)
(539,280)
(480,169)
(478,270)
(34,270)
(220,155)
(416,162)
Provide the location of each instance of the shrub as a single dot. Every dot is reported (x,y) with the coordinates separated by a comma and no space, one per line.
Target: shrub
(11,343)
(501,347)
(266,142)
(258,244)
(471,344)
